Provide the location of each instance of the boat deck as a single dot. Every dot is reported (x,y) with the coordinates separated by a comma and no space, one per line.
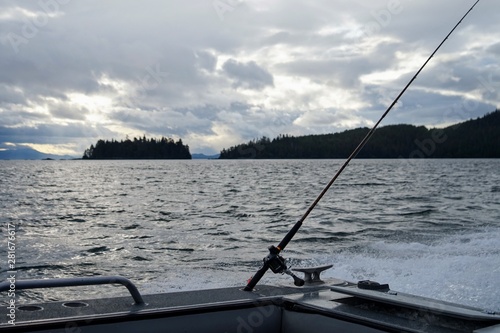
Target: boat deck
(334,307)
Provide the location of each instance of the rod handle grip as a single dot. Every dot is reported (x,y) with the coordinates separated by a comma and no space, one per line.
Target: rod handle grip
(256,278)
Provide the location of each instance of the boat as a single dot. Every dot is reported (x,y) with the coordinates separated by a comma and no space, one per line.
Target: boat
(310,304)
(332,305)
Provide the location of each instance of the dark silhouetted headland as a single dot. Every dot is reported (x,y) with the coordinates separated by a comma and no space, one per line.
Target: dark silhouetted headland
(478,138)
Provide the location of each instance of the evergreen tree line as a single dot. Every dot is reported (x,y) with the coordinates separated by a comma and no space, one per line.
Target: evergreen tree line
(479,138)
(139,148)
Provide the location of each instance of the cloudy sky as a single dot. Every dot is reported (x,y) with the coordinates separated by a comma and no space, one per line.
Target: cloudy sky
(220,72)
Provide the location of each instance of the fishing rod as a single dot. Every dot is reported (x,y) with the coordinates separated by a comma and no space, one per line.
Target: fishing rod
(273,260)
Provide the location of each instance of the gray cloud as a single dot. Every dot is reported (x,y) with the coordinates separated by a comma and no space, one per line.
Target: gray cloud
(248,75)
(48,133)
(84,70)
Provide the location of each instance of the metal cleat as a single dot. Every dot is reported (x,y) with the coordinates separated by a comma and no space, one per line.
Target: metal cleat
(311,274)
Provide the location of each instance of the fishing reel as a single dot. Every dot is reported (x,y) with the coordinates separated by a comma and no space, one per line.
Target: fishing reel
(278,265)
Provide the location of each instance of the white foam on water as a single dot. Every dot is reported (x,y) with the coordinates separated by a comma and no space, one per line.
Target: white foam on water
(461,268)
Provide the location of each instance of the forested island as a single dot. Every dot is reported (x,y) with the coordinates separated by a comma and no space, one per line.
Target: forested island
(478,138)
(138,148)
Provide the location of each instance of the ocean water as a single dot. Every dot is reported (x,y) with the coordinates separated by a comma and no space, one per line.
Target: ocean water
(426,227)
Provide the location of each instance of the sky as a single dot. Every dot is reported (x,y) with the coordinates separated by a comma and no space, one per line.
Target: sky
(216,73)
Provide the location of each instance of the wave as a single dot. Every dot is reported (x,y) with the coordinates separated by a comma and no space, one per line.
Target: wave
(452,268)
(419,212)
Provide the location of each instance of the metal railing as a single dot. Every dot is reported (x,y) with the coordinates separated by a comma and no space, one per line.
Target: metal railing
(72,282)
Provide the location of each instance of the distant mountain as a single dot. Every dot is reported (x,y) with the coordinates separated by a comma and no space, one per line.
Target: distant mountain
(478,138)
(26,153)
(204,157)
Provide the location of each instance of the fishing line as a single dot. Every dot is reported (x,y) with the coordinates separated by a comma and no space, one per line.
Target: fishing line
(274,260)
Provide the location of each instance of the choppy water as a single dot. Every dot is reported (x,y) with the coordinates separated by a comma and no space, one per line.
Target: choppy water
(428,227)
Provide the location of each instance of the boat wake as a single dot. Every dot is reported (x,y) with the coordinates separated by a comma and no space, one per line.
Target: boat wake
(462,268)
